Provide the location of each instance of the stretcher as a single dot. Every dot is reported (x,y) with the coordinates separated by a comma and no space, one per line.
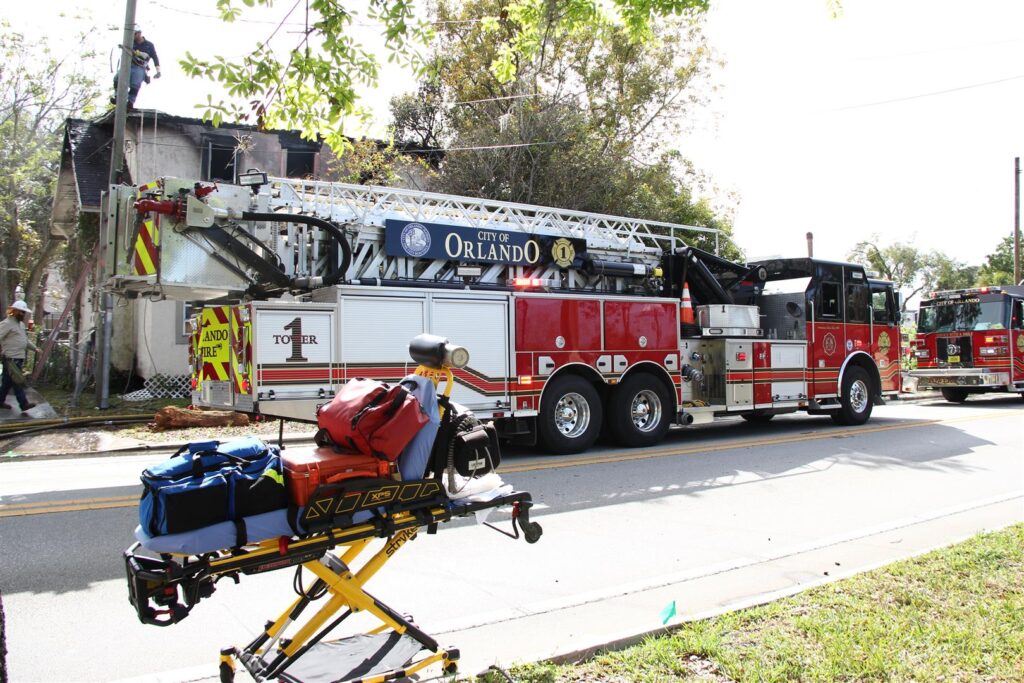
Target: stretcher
(340,526)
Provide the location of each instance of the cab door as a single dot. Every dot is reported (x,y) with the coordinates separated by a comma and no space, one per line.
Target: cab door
(1017,340)
(859,325)
(826,330)
(885,335)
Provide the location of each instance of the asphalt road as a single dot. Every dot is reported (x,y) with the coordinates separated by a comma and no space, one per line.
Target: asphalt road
(616,522)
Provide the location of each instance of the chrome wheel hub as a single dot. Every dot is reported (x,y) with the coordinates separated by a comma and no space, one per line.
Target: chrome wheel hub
(858,396)
(645,410)
(572,415)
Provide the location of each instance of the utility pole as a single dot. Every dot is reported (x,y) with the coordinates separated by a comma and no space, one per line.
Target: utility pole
(1016,221)
(106,330)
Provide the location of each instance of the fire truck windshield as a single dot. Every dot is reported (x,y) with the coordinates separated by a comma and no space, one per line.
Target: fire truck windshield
(961,315)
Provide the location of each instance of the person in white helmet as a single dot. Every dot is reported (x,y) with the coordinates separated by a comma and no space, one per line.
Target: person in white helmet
(13,342)
(142,52)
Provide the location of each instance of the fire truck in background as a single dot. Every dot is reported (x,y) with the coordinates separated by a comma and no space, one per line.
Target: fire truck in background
(577,323)
(971,341)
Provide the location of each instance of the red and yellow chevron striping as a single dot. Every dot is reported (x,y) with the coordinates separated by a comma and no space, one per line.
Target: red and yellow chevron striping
(146,259)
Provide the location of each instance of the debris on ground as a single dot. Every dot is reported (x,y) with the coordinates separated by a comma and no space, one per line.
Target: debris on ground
(172,417)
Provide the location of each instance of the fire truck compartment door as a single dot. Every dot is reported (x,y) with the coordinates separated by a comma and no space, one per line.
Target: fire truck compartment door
(292,348)
(789,361)
(375,334)
(482,327)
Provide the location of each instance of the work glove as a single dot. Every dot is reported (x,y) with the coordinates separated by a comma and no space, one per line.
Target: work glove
(157,74)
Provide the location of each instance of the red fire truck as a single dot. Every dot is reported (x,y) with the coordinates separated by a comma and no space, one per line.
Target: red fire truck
(577,323)
(971,341)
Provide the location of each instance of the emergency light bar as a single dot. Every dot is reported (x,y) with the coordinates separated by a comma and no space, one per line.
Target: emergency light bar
(956,293)
(532,282)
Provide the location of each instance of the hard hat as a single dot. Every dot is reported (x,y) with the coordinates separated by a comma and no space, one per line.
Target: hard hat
(137,28)
(20,305)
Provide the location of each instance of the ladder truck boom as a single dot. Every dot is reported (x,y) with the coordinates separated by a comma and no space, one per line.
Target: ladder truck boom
(577,321)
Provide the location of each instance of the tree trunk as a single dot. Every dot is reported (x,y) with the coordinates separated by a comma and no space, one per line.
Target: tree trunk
(35,276)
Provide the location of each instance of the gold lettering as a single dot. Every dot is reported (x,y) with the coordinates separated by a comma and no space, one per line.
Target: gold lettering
(536,251)
(453,253)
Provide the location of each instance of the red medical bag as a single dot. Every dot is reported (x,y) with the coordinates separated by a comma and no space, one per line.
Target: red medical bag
(373,418)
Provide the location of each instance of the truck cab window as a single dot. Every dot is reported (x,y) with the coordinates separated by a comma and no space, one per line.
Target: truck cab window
(883,307)
(829,307)
(1017,315)
(857,303)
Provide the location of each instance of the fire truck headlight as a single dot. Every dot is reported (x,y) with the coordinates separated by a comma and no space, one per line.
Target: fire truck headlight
(921,353)
(993,350)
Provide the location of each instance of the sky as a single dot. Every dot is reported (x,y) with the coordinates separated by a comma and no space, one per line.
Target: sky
(898,120)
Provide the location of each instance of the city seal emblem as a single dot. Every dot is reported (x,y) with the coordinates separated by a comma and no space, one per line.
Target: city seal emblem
(1020,343)
(884,343)
(415,239)
(829,344)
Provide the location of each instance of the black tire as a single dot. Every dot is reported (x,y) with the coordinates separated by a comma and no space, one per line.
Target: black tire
(954,394)
(639,411)
(856,400)
(570,415)
(757,418)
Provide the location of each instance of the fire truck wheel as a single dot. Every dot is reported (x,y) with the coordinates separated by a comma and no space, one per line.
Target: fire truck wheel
(570,415)
(638,411)
(856,402)
(954,394)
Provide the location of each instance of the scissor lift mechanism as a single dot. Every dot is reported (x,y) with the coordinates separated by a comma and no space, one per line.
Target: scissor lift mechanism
(164,589)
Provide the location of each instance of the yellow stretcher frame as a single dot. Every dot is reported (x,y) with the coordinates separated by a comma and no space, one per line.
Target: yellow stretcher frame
(157,585)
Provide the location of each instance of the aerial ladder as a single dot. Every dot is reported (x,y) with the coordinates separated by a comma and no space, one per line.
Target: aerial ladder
(265,237)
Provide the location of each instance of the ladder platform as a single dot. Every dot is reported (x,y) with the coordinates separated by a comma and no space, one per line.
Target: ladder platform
(356,657)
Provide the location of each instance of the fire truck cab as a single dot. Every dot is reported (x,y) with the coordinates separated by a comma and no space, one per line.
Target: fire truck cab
(578,324)
(971,341)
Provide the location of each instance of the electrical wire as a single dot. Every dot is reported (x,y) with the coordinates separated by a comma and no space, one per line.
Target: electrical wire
(931,94)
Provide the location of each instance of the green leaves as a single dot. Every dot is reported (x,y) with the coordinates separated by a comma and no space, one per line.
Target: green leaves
(38,91)
(311,83)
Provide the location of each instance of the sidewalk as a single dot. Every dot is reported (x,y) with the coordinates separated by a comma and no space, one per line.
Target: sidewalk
(89,440)
(96,439)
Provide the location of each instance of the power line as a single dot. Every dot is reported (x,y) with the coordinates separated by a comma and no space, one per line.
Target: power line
(931,94)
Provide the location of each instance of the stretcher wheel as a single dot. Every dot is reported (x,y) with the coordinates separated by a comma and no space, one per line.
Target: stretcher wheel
(532,531)
(227,673)
(451,668)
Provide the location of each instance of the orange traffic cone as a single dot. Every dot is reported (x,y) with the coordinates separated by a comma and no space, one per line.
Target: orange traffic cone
(686,308)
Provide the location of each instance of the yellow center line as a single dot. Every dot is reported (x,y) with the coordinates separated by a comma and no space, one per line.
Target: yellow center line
(48,506)
(82,505)
(629,455)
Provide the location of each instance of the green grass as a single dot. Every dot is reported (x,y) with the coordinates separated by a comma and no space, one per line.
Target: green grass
(955,614)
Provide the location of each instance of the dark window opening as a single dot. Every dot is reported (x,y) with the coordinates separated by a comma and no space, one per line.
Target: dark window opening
(218,159)
(299,163)
(830,294)
(857,303)
(883,306)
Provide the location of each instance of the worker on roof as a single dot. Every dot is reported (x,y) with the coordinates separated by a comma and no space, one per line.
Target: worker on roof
(13,342)
(142,51)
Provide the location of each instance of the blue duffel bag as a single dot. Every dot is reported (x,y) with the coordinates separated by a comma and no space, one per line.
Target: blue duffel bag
(209,482)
